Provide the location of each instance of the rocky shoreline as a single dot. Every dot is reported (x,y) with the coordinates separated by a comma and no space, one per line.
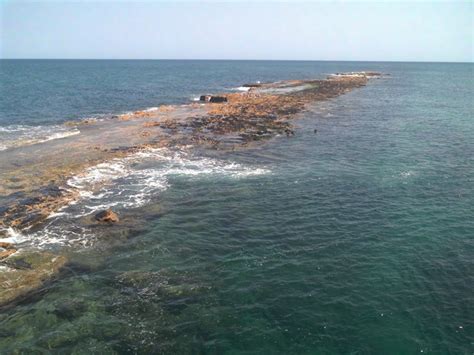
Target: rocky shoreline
(227,121)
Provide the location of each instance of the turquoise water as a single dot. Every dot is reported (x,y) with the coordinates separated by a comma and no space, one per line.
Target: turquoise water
(354,240)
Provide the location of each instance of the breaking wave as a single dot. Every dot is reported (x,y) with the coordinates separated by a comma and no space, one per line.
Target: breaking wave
(20,135)
(242,88)
(133,181)
(123,184)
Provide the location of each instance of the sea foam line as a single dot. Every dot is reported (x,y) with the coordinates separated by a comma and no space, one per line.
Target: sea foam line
(123,183)
(22,135)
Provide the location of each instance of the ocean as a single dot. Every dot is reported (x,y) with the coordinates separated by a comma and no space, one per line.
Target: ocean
(357,239)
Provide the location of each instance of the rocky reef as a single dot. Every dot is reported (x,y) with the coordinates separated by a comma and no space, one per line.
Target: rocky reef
(34,180)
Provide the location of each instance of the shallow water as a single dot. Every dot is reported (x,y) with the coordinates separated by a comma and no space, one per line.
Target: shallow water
(356,239)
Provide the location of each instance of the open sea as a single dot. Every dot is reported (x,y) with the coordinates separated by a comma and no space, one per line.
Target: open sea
(356,240)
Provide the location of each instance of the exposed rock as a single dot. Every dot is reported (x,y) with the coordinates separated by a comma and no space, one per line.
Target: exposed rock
(261,113)
(6,245)
(218,99)
(252,85)
(16,283)
(6,253)
(107,216)
(212,98)
(30,211)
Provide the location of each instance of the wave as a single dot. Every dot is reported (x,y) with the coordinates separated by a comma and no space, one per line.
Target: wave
(130,182)
(12,235)
(21,135)
(123,184)
(242,88)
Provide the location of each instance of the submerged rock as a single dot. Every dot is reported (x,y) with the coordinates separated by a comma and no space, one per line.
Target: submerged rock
(158,285)
(107,216)
(27,272)
(69,309)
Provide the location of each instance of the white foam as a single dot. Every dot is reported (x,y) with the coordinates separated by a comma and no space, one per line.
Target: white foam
(243,88)
(13,236)
(120,183)
(407,174)
(51,234)
(22,135)
(355,74)
(59,135)
(15,128)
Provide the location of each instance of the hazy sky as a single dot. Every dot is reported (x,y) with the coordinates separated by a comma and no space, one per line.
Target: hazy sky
(327,30)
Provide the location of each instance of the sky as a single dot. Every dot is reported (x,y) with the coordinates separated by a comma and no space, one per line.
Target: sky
(276,30)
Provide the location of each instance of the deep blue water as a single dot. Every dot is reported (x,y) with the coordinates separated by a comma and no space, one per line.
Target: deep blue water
(358,240)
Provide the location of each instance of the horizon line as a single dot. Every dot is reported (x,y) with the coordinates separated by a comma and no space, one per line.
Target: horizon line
(249,60)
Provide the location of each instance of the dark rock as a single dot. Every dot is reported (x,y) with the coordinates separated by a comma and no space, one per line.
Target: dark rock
(217,99)
(315,131)
(213,99)
(107,216)
(17,263)
(69,309)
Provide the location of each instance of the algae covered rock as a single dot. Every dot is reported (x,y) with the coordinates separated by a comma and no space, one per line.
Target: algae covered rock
(26,272)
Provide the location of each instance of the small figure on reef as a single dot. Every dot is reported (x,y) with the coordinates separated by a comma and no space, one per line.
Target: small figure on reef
(315,131)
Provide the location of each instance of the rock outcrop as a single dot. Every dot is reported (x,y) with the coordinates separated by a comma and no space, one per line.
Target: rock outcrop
(212,98)
(107,216)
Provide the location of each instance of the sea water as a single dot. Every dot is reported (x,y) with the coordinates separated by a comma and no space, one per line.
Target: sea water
(356,239)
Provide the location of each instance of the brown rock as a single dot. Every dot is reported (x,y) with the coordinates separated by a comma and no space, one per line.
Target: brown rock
(6,253)
(107,216)
(6,245)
